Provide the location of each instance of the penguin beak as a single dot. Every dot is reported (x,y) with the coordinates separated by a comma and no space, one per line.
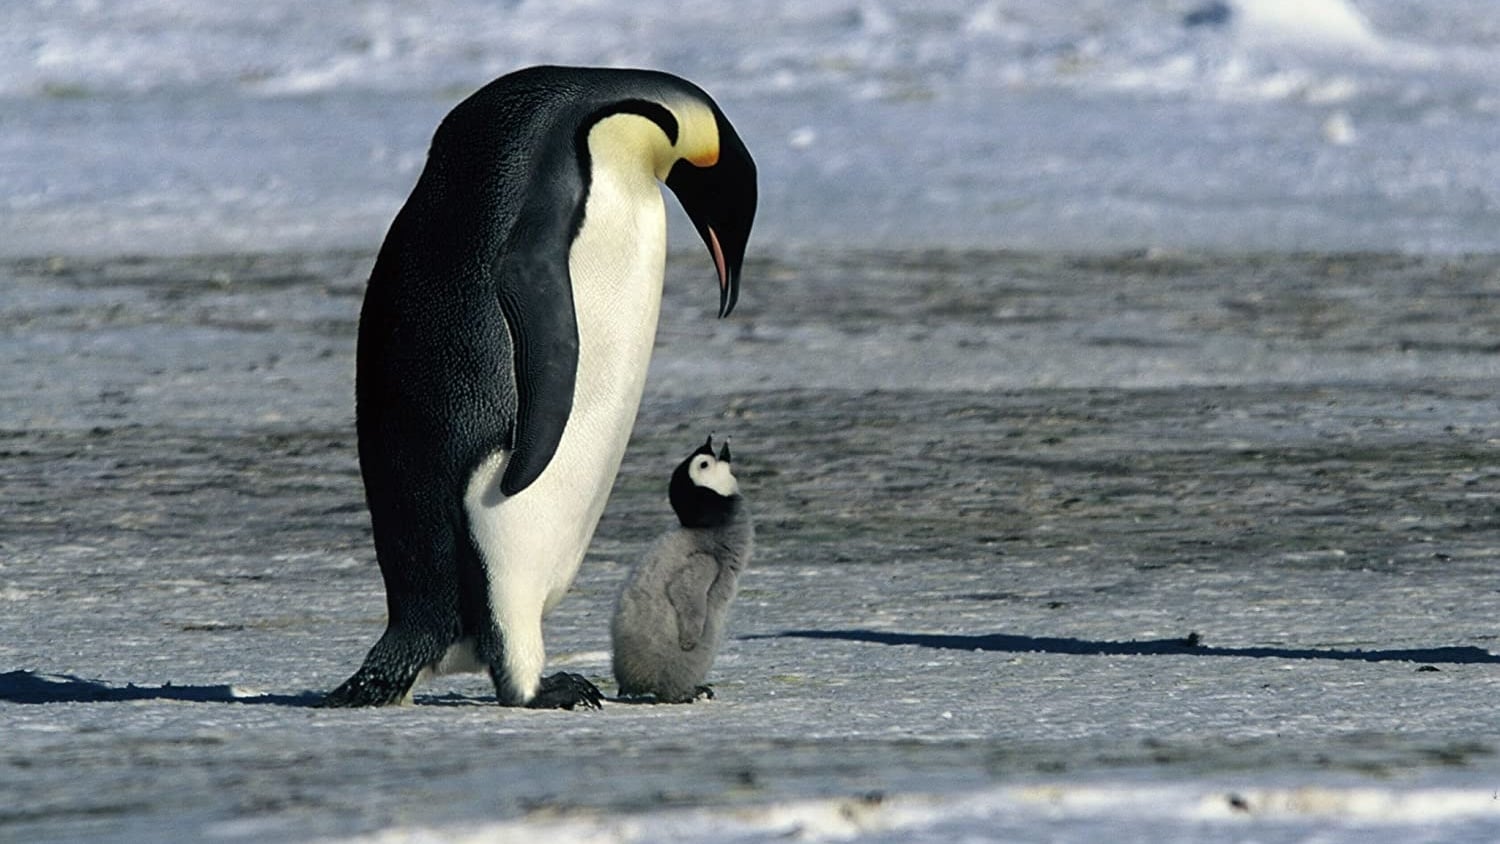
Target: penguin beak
(724,453)
(720,200)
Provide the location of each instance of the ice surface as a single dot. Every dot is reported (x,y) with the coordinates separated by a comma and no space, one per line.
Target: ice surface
(1160,547)
(1065,812)
(152,127)
(1143,545)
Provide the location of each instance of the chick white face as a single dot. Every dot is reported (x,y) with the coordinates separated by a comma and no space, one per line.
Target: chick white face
(711,473)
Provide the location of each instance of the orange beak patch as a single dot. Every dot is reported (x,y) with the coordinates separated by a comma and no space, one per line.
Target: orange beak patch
(707,159)
(719,264)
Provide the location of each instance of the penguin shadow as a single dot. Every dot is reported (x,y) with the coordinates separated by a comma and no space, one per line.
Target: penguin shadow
(33,687)
(1190,645)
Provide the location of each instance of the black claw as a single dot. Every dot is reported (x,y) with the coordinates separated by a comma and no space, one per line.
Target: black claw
(362,690)
(347,698)
(567,691)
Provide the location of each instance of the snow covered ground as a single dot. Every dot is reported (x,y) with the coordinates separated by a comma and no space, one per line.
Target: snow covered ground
(1161,532)
(143,126)
(1174,548)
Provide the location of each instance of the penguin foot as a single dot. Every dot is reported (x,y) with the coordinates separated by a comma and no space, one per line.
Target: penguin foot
(365,689)
(391,668)
(647,700)
(652,698)
(566,691)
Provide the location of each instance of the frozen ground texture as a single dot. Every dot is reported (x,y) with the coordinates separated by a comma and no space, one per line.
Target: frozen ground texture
(1158,547)
(150,126)
(1168,548)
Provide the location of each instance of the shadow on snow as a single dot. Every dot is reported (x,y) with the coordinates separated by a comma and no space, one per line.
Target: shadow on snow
(32,687)
(36,687)
(1189,646)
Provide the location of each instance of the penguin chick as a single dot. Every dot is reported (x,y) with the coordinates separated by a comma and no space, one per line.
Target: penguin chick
(670,618)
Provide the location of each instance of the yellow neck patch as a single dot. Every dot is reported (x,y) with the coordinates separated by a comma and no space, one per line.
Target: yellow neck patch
(623,136)
(697,134)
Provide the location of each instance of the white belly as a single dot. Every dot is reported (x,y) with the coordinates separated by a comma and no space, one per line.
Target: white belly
(533,543)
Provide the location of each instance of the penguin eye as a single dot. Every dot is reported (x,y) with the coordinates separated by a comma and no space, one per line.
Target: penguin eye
(703,463)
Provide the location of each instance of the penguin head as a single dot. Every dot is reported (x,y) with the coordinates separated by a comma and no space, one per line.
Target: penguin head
(704,491)
(664,121)
(714,179)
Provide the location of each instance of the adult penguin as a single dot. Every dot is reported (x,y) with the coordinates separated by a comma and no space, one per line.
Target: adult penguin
(503,346)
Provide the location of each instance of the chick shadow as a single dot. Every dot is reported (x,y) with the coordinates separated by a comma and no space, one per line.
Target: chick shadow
(1188,646)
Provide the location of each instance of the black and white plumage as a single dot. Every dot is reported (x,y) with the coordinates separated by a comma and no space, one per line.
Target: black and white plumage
(671,615)
(503,347)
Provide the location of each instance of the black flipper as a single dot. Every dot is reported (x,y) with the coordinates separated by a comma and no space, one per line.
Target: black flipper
(536,297)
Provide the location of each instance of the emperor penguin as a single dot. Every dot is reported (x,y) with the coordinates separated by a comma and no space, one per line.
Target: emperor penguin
(502,353)
(670,617)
